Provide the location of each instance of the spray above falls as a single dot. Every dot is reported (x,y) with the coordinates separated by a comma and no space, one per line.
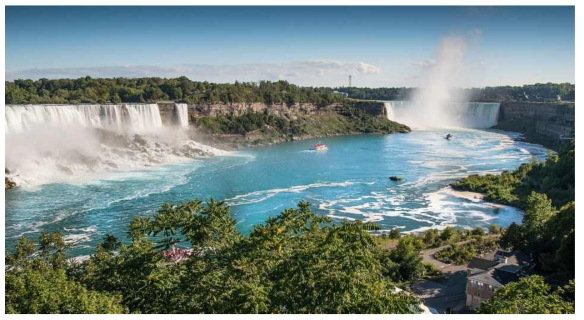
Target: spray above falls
(435,103)
(69,143)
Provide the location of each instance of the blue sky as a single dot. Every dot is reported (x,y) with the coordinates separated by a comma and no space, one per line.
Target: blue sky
(317,46)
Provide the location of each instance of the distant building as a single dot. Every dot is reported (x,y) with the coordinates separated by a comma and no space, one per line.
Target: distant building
(485,276)
(343,94)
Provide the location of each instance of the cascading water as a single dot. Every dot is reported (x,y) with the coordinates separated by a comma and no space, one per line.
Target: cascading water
(68,143)
(144,117)
(20,118)
(133,117)
(478,115)
(392,108)
(182,114)
(389,111)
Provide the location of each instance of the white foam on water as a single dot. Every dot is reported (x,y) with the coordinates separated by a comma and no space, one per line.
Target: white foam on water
(80,143)
(260,196)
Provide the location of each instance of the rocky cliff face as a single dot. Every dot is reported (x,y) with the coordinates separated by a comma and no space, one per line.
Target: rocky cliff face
(278,109)
(8,183)
(547,123)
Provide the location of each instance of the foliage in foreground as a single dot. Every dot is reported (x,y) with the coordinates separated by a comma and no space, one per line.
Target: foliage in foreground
(41,284)
(547,234)
(530,295)
(297,262)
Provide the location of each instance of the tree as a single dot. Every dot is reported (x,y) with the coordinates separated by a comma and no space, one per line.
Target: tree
(407,259)
(394,233)
(494,229)
(478,231)
(297,262)
(447,234)
(39,284)
(538,212)
(527,296)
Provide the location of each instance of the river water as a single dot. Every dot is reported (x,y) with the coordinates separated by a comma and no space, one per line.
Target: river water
(349,181)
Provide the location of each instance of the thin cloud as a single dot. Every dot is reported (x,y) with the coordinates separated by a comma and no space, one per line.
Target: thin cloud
(310,69)
(476,32)
(423,64)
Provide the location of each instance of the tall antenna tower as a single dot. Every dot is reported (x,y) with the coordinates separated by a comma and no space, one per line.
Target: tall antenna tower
(350,81)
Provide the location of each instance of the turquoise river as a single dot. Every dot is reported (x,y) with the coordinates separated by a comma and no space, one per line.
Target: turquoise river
(349,181)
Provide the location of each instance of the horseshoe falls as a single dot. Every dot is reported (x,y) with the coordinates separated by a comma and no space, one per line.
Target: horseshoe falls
(478,115)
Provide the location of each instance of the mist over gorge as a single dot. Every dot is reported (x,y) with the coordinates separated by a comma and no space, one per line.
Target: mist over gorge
(76,143)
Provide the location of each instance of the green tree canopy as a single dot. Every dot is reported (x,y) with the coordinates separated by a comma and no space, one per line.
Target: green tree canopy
(527,296)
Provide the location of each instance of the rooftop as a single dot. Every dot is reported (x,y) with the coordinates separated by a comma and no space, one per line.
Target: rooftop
(495,273)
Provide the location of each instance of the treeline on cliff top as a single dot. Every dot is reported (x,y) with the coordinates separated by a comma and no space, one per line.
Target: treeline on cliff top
(117,90)
(539,92)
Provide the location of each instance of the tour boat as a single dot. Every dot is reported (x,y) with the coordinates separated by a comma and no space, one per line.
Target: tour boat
(318,147)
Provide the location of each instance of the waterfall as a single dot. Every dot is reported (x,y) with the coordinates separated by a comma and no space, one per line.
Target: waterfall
(111,116)
(389,111)
(60,143)
(144,117)
(393,108)
(21,118)
(478,115)
(182,114)
(140,118)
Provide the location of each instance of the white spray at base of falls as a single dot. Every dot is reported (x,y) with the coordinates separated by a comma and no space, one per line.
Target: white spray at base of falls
(436,104)
(182,114)
(478,115)
(77,143)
